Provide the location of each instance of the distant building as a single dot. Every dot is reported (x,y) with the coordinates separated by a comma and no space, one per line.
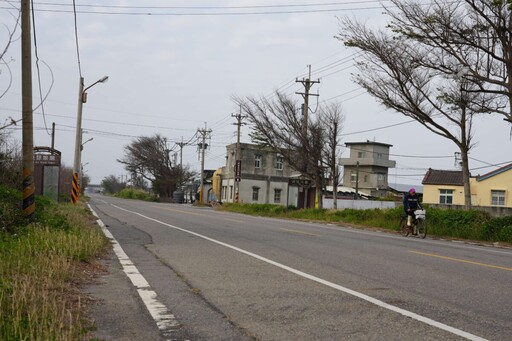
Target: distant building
(264,177)
(367,165)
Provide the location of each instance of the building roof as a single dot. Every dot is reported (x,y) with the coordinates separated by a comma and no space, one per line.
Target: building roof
(443,177)
(403,188)
(368,142)
(494,172)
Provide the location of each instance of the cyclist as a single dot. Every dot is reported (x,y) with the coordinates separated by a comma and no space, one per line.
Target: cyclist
(411,204)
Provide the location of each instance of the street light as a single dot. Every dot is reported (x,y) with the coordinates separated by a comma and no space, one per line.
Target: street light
(82,98)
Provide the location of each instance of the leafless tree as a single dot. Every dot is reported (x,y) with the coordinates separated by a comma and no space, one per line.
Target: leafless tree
(405,74)
(474,36)
(332,119)
(149,157)
(278,123)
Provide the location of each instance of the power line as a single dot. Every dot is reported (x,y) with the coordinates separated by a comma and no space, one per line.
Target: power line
(156,10)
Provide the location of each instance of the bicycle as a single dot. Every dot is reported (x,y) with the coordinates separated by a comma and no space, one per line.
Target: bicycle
(419,225)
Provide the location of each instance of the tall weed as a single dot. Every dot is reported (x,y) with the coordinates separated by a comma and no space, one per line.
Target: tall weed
(37,298)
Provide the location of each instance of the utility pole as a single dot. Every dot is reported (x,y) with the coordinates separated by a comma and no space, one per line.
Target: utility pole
(204,134)
(356,195)
(307,83)
(53,135)
(334,169)
(238,152)
(75,190)
(82,98)
(28,205)
(181,145)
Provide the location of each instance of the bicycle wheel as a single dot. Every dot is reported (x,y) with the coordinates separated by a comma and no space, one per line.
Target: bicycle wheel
(404,229)
(422,228)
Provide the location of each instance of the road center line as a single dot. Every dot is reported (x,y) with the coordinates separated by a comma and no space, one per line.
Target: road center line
(179,211)
(362,296)
(300,232)
(461,260)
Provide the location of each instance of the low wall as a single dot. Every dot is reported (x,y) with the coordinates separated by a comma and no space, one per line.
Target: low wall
(359,204)
(493,211)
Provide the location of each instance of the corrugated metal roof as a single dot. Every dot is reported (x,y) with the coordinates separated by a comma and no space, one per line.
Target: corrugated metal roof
(443,177)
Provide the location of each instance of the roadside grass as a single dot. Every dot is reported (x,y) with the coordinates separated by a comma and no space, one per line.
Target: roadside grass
(41,267)
(139,194)
(470,225)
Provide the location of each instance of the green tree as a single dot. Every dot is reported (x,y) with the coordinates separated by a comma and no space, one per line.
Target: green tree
(148,157)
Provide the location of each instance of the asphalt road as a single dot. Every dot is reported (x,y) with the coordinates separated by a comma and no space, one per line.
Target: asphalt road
(225,276)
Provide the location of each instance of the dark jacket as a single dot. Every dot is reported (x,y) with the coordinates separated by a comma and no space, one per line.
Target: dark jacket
(411,202)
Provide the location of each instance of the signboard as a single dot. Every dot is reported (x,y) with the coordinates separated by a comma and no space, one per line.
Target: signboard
(238,170)
(299,182)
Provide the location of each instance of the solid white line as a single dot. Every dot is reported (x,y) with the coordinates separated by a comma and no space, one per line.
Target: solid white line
(165,321)
(362,296)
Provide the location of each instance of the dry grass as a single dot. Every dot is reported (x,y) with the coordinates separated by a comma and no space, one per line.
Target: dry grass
(40,273)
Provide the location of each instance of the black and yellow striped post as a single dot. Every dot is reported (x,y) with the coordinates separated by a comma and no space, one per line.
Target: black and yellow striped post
(29,205)
(75,191)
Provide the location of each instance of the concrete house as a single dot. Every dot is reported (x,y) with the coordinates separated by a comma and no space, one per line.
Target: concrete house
(494,188)
(264,177)
(367,165)
(445,187)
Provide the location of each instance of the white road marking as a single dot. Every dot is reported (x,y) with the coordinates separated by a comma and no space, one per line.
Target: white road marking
(165,321)
(362,296)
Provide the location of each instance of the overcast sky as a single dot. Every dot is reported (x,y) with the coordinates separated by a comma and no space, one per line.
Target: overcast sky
(174,66)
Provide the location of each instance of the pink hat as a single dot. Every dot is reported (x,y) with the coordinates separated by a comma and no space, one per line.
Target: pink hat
(412,190)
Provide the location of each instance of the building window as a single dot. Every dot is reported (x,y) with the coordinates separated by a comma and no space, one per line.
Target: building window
(230,192)
(366,178)
(380,156)
(277,195)
(361,155)
(381,177)
(255,193)
(257,161)
(446,196)
(353,176)
(497,198)
(279,162)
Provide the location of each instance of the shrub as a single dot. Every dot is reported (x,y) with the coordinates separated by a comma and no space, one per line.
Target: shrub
(498,229)
(138,194)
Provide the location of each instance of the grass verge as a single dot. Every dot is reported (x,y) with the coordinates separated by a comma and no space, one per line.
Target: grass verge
(469,225)
(42,265)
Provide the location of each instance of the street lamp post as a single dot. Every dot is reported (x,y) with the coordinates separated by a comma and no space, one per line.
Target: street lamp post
(75,191)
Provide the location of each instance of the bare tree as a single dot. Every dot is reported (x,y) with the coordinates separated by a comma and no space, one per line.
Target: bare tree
(401,73)
(278,123)
(470,35)
(332,118)
(149,157)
